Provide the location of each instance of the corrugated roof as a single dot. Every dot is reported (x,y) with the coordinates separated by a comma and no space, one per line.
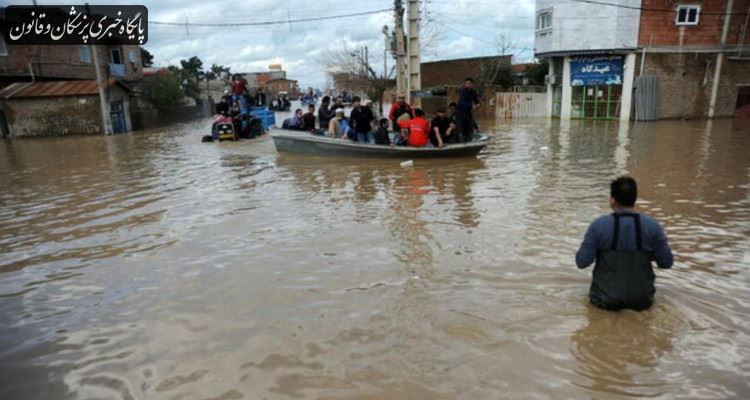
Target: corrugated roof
(54,89)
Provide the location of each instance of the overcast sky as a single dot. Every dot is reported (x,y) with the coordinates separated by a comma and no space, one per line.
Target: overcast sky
(467,28)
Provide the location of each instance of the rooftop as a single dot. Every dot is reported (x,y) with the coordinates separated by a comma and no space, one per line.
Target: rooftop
(55,88)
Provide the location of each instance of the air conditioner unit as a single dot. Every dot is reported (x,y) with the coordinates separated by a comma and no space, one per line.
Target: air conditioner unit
(551,79)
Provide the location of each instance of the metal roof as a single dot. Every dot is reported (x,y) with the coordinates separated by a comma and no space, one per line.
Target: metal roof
(54,89)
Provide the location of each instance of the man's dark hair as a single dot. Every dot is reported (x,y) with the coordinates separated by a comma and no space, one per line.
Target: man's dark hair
(418,112)
(311,106)
(452,105)
(356,99)
(384,121)
(326,99)
(624,190)
(469,80)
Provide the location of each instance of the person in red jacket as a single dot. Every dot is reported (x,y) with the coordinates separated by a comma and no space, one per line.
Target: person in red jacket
(419,129)
(399,108)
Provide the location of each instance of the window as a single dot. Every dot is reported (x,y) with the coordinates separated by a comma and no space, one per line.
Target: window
(544,20)
(84,54)
(3,46)
(131,56)
(688,15)
(115,56)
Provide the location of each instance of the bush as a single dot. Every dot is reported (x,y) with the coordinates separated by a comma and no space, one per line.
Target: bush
(163,91)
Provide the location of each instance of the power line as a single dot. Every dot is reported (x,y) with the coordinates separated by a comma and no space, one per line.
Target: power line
(276,22)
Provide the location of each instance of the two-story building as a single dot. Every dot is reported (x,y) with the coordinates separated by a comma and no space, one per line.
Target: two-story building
(27,65)
(686,59)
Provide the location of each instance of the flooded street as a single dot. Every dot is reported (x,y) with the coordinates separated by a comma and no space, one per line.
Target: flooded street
(153,266)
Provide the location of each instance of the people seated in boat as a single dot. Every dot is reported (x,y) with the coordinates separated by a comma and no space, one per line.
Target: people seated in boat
(334,125)
(419,129)
(308,118)
(223,107)
(401,128)
(452,110)
(441,128)
(361,120)
(325,113)
(295,122)
(399,108)
(382,134)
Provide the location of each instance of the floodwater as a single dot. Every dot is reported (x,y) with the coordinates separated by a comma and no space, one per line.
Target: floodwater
(153,266)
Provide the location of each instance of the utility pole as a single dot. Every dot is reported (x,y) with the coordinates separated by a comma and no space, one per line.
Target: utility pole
(401,78)
(415,76)
(103,104)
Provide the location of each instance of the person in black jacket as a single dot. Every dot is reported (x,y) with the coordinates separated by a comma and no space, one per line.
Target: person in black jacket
(223,107)
(361,120)
(381,134)
(325,113)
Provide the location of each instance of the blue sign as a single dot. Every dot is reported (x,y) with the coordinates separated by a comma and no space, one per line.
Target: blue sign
(596,70)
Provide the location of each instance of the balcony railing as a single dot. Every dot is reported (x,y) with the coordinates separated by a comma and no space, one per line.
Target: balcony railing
(117,70)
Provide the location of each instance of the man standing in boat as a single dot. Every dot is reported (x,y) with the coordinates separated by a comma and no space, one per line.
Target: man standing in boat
(361,120)
(468,100)
(623,244)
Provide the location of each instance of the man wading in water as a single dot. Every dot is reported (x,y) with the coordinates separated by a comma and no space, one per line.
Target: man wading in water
(623,244)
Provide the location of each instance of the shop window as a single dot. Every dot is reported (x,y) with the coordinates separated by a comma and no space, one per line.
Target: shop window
(688,15)
(115,56)
(596,102)
(544,20)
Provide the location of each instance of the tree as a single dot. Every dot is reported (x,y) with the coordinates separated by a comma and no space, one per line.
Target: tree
(537,72)
(190,74)
(359,72)
(163,90)
(146,58)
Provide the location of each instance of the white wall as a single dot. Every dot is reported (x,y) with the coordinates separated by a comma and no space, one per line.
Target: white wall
(585,26)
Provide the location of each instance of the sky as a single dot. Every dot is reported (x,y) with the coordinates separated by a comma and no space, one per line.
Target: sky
(460,28)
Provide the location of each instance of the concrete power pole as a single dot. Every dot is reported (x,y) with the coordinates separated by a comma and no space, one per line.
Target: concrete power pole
(401,78)
(415,75)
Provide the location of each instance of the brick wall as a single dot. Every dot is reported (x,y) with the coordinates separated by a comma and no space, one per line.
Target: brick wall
(64,62)
(453,72)
(662,28)
(685,83)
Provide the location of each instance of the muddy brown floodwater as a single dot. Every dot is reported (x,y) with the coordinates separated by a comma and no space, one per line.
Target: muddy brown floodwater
(152,266)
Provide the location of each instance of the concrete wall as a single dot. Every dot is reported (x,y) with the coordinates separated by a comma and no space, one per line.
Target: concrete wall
(583,26)
(59,116)
(685,83)
(661,28)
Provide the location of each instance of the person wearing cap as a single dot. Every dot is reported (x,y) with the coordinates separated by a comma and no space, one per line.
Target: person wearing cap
(399,108)
(441,128)
(334,125)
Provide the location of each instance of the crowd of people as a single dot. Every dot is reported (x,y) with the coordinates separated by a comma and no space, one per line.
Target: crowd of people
(404,126)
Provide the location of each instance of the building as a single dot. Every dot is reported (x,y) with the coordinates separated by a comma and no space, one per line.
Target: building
(275,86)
(692,53)
(439,74)
(54,62)
(70,107)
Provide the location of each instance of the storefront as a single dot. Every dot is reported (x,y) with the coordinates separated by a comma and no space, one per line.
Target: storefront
(596,83)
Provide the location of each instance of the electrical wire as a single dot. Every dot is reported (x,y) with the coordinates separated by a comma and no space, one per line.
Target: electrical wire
(261,23)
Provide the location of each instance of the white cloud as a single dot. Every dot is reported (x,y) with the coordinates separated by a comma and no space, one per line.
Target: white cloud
(299,46)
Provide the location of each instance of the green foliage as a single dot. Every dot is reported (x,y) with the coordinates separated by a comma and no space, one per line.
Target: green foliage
(537,72)
(163,91)
(189,75)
